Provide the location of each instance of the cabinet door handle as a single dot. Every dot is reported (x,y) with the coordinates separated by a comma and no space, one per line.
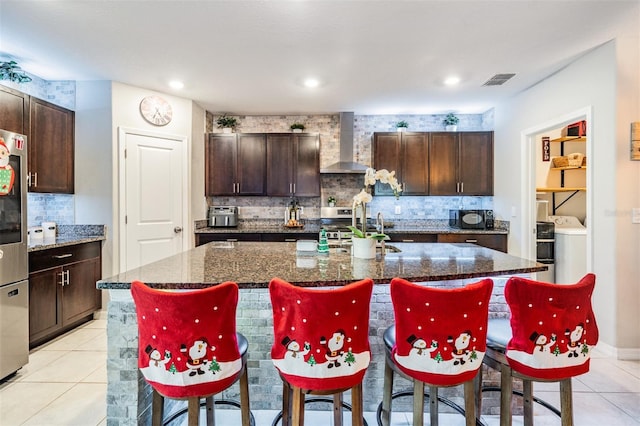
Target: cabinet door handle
(62,256)
(470,241)
(29,180)
(35,179)
(408,241)
(290,240)
(232,240)
(62,279)
(290,188)
(68,274)
(294,188)
(462,187)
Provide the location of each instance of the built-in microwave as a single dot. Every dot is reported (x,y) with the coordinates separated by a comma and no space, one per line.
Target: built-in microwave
(471,219)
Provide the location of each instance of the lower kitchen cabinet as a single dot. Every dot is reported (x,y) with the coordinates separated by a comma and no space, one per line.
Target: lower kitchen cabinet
(62,289)
(270,237)
(492,241)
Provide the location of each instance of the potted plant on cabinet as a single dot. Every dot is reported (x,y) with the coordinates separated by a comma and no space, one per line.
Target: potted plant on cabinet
(332,201)
(451,122)
(297,127)
(226,123)
(402,126)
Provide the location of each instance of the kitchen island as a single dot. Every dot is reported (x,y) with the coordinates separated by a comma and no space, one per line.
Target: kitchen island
(252,265)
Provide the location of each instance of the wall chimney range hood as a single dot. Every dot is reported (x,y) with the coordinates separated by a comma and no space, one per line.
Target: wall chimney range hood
(346,163)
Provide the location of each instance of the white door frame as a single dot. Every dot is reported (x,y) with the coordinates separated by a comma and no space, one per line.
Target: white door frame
(122,139)
(528,141)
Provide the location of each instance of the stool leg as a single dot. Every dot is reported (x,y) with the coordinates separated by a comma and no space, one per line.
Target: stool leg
(194,411)
(433,405)
(566,403)
(385,416)
(418,402)
(157,409)
(357,410)
(470,402)
(506,387)
(297,407)
(527,401)
(211,417)
(477,381)
(337,409)
(244,397)
(286,403)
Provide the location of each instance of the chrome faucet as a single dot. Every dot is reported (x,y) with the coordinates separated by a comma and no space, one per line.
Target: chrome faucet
(380,229)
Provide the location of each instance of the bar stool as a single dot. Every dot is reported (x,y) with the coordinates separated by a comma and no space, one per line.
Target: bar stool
(441,336)
(321,345)
(188,347)
(548,339)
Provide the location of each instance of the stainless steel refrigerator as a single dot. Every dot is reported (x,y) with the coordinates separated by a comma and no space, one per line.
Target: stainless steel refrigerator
(14,267)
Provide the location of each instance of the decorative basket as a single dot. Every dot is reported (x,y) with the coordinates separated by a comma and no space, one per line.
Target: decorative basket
(560,162)
(575,159)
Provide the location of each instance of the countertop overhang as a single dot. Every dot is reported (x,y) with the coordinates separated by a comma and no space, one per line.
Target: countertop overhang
(254,264)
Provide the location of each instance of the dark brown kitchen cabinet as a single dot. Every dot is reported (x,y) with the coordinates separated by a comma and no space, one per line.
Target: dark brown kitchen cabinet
(293,164)
(492,241)
(62,289)
(406,153)
(51,148)
(235,164)
(461,163)
(14,111)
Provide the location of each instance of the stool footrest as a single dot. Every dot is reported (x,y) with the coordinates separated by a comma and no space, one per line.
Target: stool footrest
(183,411)
(537,400)
(316,399)
(445,401)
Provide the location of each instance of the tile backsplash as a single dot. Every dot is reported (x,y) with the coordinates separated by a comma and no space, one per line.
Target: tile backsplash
(57,208)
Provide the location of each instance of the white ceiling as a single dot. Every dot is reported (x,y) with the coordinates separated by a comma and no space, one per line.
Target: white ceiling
(373,57)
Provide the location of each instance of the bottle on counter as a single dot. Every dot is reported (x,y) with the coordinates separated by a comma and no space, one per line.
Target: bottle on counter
(323,244)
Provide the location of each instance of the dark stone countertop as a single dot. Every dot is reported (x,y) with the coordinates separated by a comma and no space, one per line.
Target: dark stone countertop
(254,264)
(313,226)
(69,235)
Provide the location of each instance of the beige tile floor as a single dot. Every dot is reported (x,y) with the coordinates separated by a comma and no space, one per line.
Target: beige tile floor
(65,383)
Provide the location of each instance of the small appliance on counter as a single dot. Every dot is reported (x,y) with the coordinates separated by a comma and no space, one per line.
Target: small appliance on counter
(49,230)
(223,216)
(471,219)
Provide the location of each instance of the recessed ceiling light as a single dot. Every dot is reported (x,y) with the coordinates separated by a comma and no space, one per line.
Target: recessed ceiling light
(311,82)
(175,84)
(451,81)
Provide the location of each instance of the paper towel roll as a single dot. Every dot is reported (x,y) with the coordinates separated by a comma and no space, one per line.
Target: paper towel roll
(49,229)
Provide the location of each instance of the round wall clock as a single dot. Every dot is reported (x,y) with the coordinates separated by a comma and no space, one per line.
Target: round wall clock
(156,110)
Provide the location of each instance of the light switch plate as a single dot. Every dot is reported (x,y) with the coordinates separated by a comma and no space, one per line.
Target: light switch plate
(635,215)
(398,210)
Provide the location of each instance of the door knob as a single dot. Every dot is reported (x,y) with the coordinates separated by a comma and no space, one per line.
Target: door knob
(177,229)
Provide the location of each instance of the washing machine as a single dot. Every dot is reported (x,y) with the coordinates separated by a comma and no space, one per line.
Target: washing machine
(570,249)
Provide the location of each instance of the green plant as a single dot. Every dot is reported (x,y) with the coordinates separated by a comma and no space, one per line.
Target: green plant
(12,72)
(331,199)
(297,126)
(402,124)
(450,120)
(225,121)
(375,235)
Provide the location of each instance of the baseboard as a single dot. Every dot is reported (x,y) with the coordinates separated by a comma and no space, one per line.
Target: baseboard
(627,354)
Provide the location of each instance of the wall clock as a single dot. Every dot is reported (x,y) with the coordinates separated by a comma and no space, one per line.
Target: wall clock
(156,110)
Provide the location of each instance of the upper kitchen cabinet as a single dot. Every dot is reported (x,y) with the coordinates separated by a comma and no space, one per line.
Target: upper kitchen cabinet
(235,164)
(408,154)
(51,147)
(461,163)
(293,164)
(14,111)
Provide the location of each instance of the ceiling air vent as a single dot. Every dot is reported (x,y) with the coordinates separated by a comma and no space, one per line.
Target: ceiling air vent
(498,80)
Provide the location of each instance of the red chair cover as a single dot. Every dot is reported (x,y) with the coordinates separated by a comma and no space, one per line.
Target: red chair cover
(553,327)
(187,344)
(321,336)
(440,333)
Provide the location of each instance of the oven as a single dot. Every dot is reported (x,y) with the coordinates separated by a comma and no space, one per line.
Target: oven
(14,270)
(336,220)
(545,250)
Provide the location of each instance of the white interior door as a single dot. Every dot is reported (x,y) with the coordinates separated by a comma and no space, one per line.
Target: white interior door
(154,199)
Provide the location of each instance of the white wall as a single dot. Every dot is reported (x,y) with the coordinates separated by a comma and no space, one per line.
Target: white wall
(93,163)
(593,83)
(126,113)
(198,200)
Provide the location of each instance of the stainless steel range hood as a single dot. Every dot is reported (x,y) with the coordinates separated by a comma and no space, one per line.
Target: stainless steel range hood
(346,163)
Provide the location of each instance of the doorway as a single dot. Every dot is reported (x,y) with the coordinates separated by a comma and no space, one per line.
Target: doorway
(532,183)
(153,196)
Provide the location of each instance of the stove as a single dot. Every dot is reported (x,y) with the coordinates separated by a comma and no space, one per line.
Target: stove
(335,221)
